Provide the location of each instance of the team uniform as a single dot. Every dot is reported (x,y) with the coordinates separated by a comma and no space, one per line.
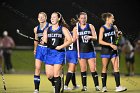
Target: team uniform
(71,53)
(86,46)
(109,36)
(41,50)
(71,57)
(55,38)
(87,51)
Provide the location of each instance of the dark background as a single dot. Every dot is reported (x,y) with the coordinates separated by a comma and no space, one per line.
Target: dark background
(22,15)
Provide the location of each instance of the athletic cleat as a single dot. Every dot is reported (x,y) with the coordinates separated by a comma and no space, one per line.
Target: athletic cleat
(36,91)
(76,87)
(84,88)
(120,89)
(104,89)
(97,88)
(67,88)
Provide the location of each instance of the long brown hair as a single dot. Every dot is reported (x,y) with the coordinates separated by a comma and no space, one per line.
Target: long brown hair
(62,22)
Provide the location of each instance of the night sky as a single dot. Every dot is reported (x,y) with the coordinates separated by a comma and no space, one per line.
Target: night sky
(22,14)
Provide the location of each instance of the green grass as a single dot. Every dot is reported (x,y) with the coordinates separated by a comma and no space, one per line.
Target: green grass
(23,83)
(23,62)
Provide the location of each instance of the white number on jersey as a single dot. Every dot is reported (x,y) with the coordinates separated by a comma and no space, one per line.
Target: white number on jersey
(71,46)
(84,39)
(53,41)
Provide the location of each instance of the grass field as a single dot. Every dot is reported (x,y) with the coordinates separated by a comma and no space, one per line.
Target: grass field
(22,80)
(23,61)
(23,83)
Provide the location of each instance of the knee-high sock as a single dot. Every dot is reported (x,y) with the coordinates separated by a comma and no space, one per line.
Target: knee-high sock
(117,78)
(68,78)
(73,79)
(104,78)
(36,81)
(95,78)
(84,78)
(57,81)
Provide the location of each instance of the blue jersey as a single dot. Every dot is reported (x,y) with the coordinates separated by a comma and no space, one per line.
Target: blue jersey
(40,31)
(84,44)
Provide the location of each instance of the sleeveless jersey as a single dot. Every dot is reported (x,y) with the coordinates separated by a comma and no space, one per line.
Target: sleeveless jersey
(40,31)
(84,44)
(109,36)
(55,37)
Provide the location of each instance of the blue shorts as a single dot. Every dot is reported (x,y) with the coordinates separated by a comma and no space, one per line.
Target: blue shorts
(41,52)
(88,55)
(108,55)
(55,57)
(72,57)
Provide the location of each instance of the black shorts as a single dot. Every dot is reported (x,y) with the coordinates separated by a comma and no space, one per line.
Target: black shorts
(107,52)
(130,60)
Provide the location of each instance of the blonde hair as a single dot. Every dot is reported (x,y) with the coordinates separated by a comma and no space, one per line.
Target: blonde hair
(43,14)
(82,13)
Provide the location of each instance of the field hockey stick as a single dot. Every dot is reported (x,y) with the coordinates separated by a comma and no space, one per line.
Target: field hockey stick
(26,36)
(74,21)
(3,80)
(78,49)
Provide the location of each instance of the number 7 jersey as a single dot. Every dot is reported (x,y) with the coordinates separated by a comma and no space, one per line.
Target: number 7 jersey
(55,37)
(85,45)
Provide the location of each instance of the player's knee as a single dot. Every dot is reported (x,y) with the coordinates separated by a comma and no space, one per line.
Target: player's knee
(92,69)
(83,68)
(56,74)
(104,69)
(49,75)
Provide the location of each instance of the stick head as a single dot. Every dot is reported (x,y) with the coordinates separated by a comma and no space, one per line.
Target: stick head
(115,27)
(17,30)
